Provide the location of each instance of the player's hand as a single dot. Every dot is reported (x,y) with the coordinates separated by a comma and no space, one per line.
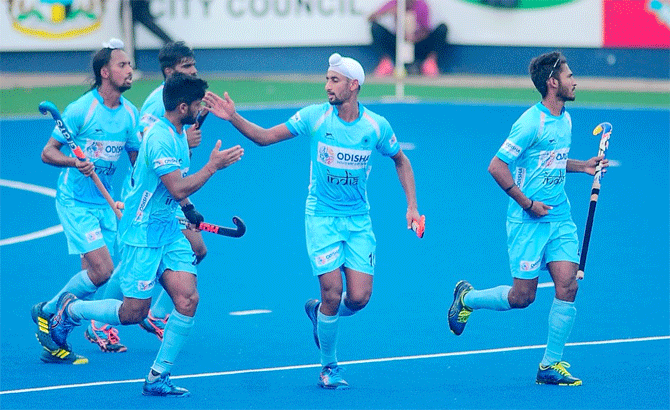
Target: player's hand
(193,216)
(538,209)
(223,108)
(85,167)
(193,136)
(119,205)
(220,159)
(413,218)
(592,163)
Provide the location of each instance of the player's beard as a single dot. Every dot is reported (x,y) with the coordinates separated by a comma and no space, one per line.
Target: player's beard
(564,92)
(190,118)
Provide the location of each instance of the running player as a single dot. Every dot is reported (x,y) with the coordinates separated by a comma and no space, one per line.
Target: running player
(342,135)
(155,250)
(530,167)
(102,122)
(174,57)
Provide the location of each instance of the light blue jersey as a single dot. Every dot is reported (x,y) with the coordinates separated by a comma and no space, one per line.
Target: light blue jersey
(537,153)
(103,134)
(149,219)
(340,157)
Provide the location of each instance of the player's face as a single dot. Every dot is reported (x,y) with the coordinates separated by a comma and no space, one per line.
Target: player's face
(193,109)
(338,88)
(186,66)
(120,70)
(566,85)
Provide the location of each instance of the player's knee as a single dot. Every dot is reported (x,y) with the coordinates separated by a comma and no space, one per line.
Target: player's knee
(358,300)
(568,291)
(521,299)
(130,315)
(187,304)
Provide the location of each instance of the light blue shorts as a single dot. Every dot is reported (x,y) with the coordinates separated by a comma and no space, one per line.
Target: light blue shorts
(334,241)
(141,268)
(532,245)
(87,229)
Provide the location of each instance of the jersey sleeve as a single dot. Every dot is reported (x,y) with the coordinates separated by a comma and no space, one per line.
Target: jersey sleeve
(299,123)
(520,138)
(133,138)
(73,119)
(388,144)
(161,155)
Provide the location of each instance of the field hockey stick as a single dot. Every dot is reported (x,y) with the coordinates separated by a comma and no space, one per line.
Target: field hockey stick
(220,230)
(419,226)
(606,129)
(48,106)
(200,118)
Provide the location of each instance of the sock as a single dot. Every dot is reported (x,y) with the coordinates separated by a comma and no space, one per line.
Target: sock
(344,310)
(103,311)
(153,375)
(493,299)
(162,306)
(327,329)
(561,318)
(177,330)
(112,290)
(80,285)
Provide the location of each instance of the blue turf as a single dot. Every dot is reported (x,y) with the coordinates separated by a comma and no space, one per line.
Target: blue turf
(625,294)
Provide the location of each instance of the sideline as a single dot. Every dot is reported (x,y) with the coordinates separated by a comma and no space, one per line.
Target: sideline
(352,362)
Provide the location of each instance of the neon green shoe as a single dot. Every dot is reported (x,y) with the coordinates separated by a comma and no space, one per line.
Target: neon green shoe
(458,312)
(556,374)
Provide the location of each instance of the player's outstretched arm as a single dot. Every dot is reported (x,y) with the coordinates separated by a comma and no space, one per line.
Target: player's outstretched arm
(406,176)
(224,108)
(589,166)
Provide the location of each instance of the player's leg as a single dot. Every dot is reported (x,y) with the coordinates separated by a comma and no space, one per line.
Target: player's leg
(160,311)
(104,334)
(325,248)
(359,261)
(562,256)
(526,245)
(180,281)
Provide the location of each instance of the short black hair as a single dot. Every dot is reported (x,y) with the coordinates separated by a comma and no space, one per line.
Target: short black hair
(181,88)
(543,66)
(173,53)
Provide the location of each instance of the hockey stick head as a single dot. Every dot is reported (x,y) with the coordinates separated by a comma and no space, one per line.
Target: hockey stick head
(606,129)
(49,107)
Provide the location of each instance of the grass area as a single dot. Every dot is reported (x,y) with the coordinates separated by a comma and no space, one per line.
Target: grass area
(24,101)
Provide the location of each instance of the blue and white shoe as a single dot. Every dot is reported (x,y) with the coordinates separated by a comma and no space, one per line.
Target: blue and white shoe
(331,378)
(312,310)
(163,386)
(61,324)
(556,374)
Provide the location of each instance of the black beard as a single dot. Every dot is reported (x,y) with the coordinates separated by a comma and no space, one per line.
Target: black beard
(336,102)
(124,88)
(188,120)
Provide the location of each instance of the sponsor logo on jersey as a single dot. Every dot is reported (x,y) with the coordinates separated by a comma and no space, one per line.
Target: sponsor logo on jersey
(342,158)
(104,150)
(511,148)
(144,285)
(554,159)
(159,162)
(528,266)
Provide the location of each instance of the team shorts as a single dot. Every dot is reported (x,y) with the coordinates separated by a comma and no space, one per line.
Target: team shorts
(141,267)
(334,241)
(87,229)
(532,245)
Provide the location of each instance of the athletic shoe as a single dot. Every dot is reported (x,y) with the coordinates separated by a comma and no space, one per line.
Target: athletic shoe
(312,310)
(429,67)
(330,378)
(106,337)
(41,319)
(163,386)
(458,312)
(61,324)
(385,68)
(556,374)
(154,325)
(62,356)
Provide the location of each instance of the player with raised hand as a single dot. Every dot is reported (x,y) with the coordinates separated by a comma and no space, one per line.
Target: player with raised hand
(155,250)
(530,167)
(174,57)
(342,134)
(102,124)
